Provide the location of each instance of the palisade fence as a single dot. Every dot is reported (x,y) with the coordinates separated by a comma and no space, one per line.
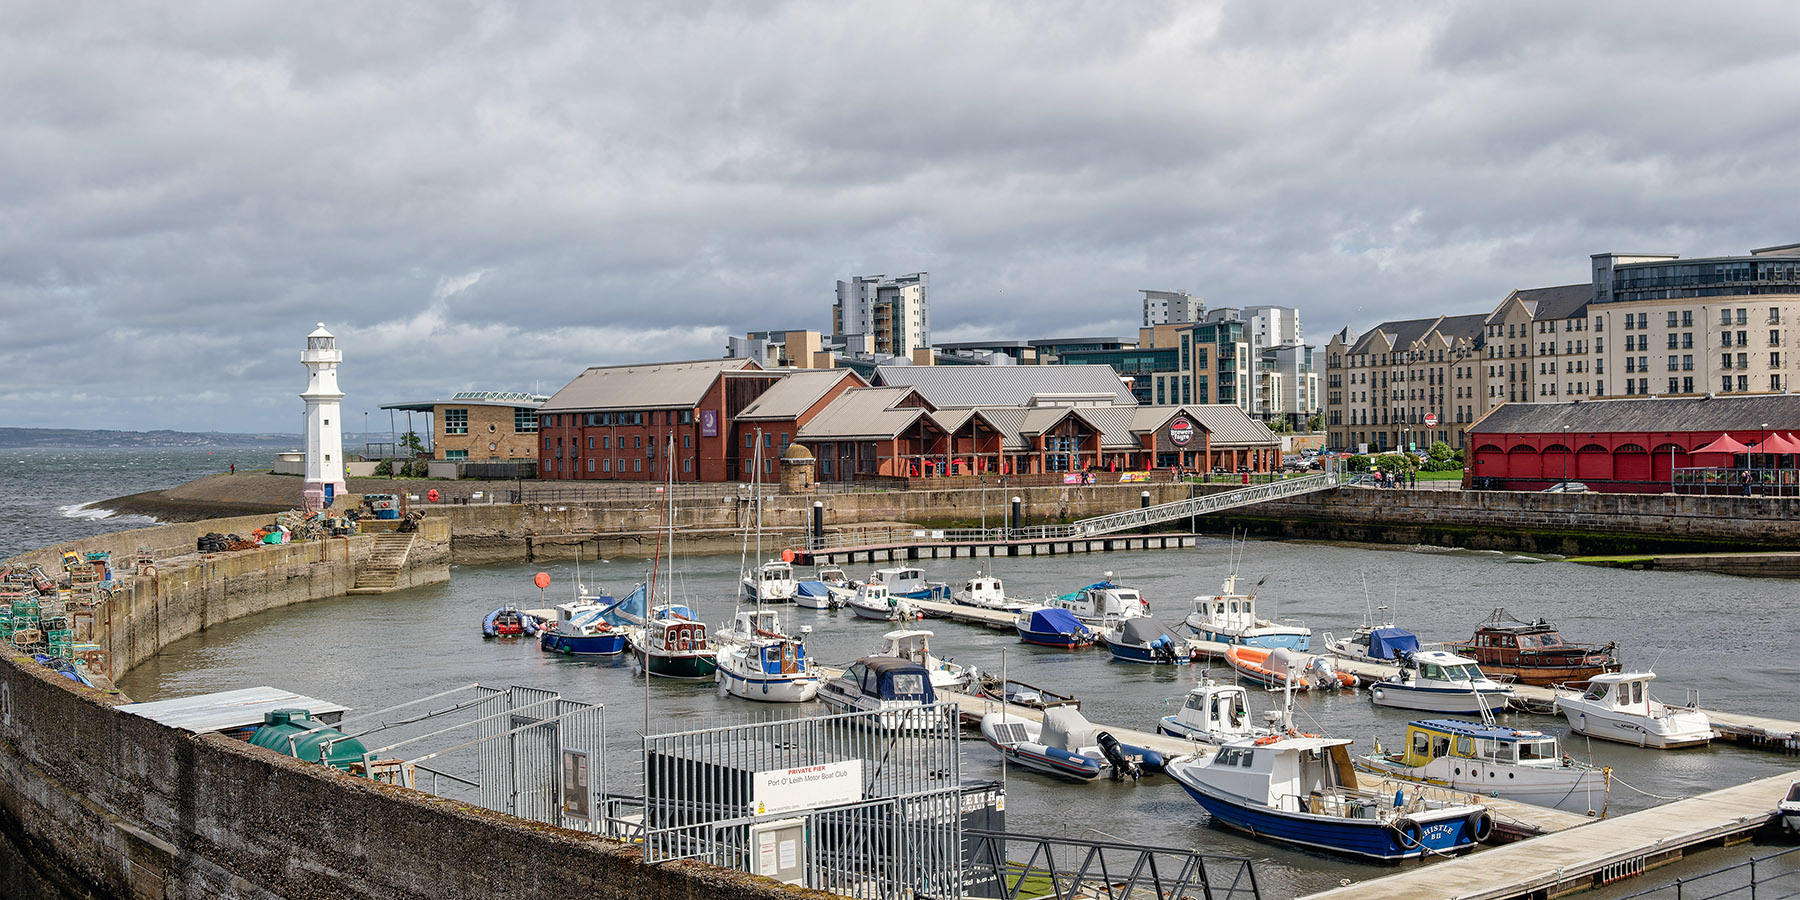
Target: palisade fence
(868,804)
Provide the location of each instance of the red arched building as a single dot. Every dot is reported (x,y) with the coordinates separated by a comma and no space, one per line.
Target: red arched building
(1625,445)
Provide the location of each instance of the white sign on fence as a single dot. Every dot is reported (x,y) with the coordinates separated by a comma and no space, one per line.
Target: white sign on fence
(806,787)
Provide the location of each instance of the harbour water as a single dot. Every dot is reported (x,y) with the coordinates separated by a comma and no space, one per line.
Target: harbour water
(1730,639)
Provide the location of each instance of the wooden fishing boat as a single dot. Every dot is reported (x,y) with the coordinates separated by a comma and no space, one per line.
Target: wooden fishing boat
(1533,652)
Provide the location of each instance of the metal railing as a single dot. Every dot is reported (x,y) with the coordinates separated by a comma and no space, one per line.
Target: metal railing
(1769,877)
(1018,866)
(1740,482)
(1204,505)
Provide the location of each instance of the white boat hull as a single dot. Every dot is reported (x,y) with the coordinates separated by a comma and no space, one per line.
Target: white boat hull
(768,688)
(1680,728)
(1577,790)
(1467,702)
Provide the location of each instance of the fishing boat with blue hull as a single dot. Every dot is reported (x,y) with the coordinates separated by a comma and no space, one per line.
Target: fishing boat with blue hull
(760,662)
(1053,627)
(1142,640)
(909,583)
(1229,617)
(1302,789)
(593,626)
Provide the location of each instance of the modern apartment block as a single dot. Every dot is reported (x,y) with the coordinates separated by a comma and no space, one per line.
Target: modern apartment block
(875,314)
(1646,325)
(779,349)
(1172,308)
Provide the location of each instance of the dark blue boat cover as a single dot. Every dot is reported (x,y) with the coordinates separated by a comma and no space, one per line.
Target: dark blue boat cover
(1053,621)
(899,679)
(813,589)
(629,611)
(1389,643)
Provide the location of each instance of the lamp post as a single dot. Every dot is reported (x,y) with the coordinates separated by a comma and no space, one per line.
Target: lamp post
(1565,446)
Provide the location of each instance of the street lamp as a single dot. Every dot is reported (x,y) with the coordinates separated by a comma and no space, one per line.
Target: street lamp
(1565,446)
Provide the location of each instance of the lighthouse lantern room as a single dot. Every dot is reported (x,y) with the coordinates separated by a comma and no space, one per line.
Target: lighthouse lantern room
(324,426)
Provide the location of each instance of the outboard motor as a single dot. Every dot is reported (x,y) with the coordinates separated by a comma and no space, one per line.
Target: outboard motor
(1122,763)
(1324,674)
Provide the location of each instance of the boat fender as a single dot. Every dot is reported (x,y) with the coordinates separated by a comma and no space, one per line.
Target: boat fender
(1409,833)
(1480,826)
(1122,763)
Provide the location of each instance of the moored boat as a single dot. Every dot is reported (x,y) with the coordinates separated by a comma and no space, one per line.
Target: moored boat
(1488,758)
(1067,745)
(1214,713)
(592,626)
(1789,810)
(757,661)
(1102,602)
(873,601)
(898,689)
(508,621)
(1534,653)
(1229,617)
(987,592)
(908,583)
(673,648)
(771,582)
(1440,681)
(1142,640)
(1302,789)
(1382,643)
(1282,667)
(1018,693)
(915,644)
(1053,627)
(1618,707)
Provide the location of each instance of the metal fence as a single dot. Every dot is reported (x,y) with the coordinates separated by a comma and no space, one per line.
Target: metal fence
(537,756)
(1771,877)
(1017,866)
(875,798)
(1737,482)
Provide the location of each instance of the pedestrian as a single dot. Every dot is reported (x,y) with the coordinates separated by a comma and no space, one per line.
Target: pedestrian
(1412,476)
(234,468)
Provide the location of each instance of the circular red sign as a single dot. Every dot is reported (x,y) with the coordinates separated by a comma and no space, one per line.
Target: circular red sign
(1431,420)
(1181,431)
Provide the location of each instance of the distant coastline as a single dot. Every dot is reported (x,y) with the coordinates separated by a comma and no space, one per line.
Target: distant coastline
(79,439)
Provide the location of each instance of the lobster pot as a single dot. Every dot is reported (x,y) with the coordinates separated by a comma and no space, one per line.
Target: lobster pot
(25,609)
(6,628)
(22,623)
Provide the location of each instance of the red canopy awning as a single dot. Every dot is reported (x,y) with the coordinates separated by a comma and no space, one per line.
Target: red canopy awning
(1725,444)
(1777,443)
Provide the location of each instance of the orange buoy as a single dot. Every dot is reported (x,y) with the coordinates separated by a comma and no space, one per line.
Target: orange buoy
(541,579)
(432,495)
(787,556)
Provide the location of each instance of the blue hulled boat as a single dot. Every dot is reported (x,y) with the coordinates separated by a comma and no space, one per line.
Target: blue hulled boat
(1230,618)
(1141,640)
(1052,627)
(1302,789)
(593,626)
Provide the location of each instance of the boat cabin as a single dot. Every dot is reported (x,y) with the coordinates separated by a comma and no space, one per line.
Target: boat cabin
(1431,739)
(677,636)
(1438,665)
(674,611)
(1292,774)
(984,587)
(1102,601)
(891,680)
(757,623)
(1216,709)
(1229,610)
(569,612)
(909,643)
(872,594)
(901,581)
(1502,640)
(833,575)
(780,657)
(775,573)
(1626,692)
(1384,643)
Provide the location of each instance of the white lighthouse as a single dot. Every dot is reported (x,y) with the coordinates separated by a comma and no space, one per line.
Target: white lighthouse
(324,426)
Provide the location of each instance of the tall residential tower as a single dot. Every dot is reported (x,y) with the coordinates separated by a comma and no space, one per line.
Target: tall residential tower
(884,316)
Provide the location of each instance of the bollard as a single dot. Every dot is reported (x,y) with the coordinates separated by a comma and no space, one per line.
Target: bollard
(818,525)
(1012,530)
(1144,503)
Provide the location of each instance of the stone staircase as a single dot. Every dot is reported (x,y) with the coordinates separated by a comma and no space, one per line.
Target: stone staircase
(381,572)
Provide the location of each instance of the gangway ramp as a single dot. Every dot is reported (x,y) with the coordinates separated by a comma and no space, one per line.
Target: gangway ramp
(1200,506)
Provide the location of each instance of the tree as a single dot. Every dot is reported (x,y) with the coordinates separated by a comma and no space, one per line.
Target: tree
(1281,426)
(410,441)
(1316,423)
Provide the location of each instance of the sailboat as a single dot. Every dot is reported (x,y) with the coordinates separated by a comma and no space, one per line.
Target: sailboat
(667,644)
(758,660)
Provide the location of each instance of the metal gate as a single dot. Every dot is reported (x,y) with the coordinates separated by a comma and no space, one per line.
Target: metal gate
(875,798)
(538,756)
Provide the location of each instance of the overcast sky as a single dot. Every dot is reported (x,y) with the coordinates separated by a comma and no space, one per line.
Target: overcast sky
(494,196)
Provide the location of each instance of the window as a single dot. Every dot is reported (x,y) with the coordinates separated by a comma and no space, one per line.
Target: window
(637,441)
(1673,363)
(1743,339)
(1743,382)
(525,421)
(1672,339)
(1673,318)
(687,465)
(606,465)
(590,464)
(1774,382)
(1687,362)
(1724,317)
(1673,383)
(1775,360)
(450,454)
(1687,340)
(1743,360)
(456,421)
(687,440)
(1774,337)
(1743,316)
(1687,384)
(1643,321)
(590,442)
(749,441)
(1725,361)
(1687,318)
(637,465)
(1724,338)
(1725,382)
(606,442)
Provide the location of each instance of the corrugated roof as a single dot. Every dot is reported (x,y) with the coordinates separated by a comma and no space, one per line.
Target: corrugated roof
(1003,385)
(862,414)
(676,385)
(227,710)
(1670,414)
(794,394)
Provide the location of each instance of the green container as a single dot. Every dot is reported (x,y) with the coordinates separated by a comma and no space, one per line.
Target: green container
(293,732)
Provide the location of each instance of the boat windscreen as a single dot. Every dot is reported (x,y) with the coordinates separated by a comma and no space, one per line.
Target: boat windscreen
(1530,751)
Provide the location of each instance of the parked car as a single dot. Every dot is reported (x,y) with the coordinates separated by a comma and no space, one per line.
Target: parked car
(1566,487)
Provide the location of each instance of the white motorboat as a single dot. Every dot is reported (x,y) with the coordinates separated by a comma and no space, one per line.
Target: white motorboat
(987,592)
(1789,809)
(915,644)
(1488,758)
(1618,707)
(873,601)
(898,689)
(771,582)
(829,589)
(1215,713)
(1229,617)
(1101,603)
(1440,681)
(909,583)
(1065,744)
(1373,643)
(757,661)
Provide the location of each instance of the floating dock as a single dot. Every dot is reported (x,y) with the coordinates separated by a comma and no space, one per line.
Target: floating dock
(927,548)
(1599,853)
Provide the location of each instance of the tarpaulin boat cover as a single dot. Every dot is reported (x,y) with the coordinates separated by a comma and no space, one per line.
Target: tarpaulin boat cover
(1141,632)
(813,589)
(629,611)
(1389,643)
(1053,621)
(1067,729)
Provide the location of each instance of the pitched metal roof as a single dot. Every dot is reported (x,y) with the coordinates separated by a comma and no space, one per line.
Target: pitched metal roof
(1646,414)
(675,385)
(1003,385)
(862,414)
(794,394)
(1227,426)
